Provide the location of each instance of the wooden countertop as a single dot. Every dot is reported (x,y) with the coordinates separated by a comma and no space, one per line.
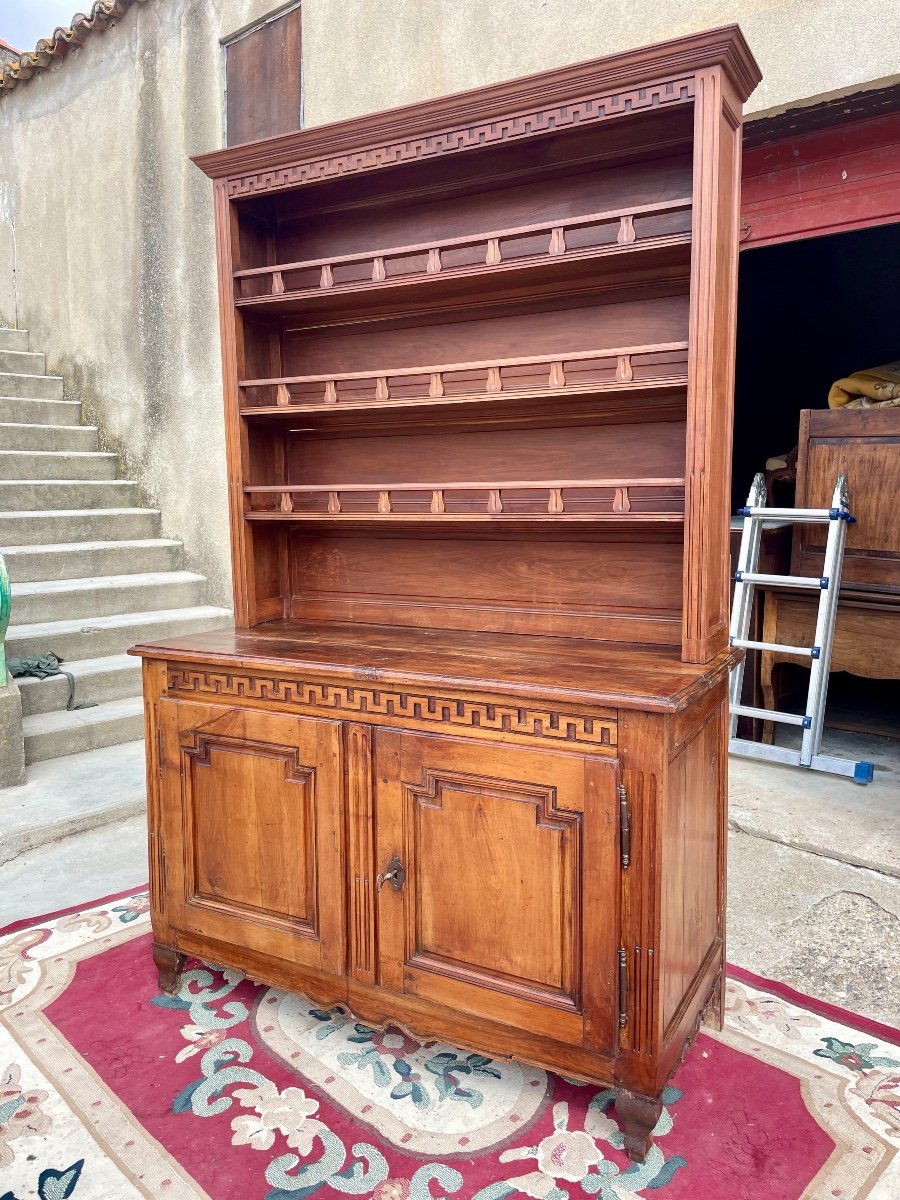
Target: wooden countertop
(611,674)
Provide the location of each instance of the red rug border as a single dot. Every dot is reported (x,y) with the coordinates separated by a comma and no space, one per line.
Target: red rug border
(27,922)
(833,1012)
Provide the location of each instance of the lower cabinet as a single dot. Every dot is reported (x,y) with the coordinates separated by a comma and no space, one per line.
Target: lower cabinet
(563,906)
(485,877)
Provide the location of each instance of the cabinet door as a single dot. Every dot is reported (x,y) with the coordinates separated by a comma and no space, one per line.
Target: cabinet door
(508,907)
(253,830)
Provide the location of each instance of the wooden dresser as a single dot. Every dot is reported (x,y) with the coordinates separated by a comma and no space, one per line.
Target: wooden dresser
(863,444)
(461,764)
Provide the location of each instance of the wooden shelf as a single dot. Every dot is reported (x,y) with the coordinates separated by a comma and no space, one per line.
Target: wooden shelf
(290,289)
(547,500)
(433,384)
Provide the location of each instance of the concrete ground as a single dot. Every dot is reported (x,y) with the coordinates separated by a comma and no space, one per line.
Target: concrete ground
(814,865)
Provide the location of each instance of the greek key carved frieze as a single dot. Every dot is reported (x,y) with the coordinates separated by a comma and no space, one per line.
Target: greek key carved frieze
(504,129)
(549,726)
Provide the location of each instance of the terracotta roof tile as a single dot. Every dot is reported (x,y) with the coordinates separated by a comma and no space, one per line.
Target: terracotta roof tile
(103,14)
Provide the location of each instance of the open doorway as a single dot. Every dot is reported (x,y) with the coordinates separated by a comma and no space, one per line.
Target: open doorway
(809,313)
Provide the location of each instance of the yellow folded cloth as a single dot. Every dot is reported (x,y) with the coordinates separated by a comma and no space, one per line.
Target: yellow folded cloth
(879,387)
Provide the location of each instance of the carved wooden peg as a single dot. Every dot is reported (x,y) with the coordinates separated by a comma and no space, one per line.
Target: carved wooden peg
(434,261)
(626,231)
(330,392)
(624,372)
(493,252)
(334,502)
(557,376)
(384,502)
(494,382)
(621,501)
(436,385)
(287,502)
(382,391)
(326,279)
(277,283)
(558,241)
(282,395)
(495,501)
(378,270)
(437,501)
(556,504)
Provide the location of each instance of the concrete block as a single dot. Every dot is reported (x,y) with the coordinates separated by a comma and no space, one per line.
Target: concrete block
(57,464)
(82,560)
(77,525)
(36,495)
(97,681)
(62,599)
(21,362)
(13,339)
(39,412)
(93,637)
(69,796)
(18,436)
(12,756)
(35,387)
(54,734)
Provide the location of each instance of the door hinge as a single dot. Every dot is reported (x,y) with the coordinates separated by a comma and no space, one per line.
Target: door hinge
(624,826)
(623,988)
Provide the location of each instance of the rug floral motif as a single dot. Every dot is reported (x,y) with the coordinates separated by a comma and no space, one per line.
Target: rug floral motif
(110,1090)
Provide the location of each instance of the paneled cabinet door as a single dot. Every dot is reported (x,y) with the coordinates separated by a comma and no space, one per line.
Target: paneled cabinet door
(253,830)
(498,885)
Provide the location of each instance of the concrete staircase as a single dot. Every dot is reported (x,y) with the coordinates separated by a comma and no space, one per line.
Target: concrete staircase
(90,573)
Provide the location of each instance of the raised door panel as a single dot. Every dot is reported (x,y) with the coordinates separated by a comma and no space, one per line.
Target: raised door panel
(864,445)
(492,917)
(254,829)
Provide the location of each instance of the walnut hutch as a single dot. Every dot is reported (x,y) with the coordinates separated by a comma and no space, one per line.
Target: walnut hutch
(461,763)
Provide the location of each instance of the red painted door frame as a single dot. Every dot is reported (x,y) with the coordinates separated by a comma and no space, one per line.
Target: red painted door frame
(829,181)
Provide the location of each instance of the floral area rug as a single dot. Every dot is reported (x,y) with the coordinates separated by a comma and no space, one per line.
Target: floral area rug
(232,1091)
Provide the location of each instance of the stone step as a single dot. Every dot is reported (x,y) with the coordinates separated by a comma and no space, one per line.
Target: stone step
(13,339)
(79,560)
(22,362)
(34,387)
(37,495)
(95,637)
(15,436)
(39,412)
(68,796)
(62,599)
(55,527)
(97,681)
(57,464)
(53,734)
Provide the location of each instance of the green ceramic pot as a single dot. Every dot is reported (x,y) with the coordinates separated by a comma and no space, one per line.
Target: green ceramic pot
(5,606)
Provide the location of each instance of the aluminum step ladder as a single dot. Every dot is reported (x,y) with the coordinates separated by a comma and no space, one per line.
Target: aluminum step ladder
(747,579)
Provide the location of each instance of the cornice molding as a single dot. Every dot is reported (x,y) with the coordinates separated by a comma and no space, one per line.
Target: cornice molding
(683,57)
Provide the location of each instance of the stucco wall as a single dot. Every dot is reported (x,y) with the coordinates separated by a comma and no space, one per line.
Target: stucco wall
(106,242)
(107,250)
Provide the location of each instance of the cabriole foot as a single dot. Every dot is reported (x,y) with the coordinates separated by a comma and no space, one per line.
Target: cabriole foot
(637,1116)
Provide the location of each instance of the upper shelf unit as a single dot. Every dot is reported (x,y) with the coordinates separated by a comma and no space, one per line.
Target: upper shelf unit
(559,251)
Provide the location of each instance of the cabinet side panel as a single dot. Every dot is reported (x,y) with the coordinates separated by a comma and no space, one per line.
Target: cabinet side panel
(154,675)
(236,451)
(693,856)
(711,366)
